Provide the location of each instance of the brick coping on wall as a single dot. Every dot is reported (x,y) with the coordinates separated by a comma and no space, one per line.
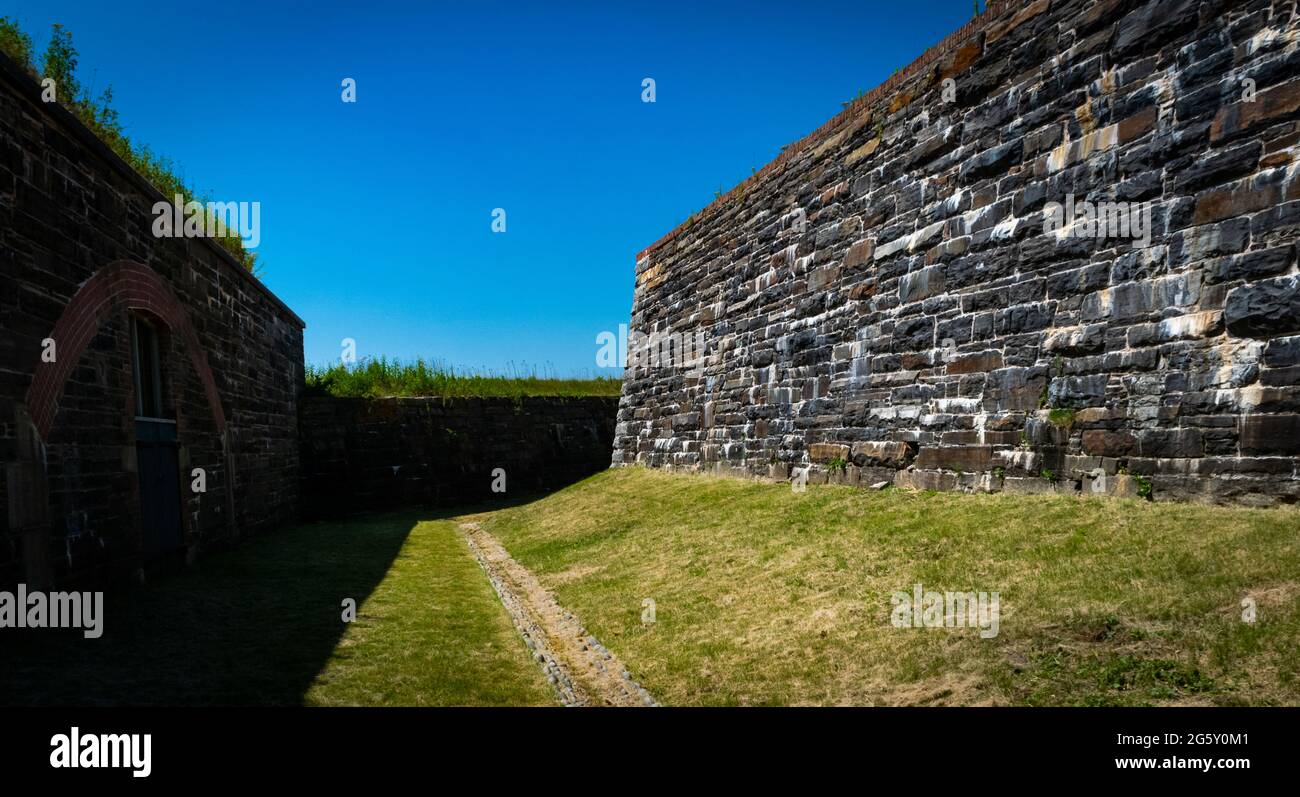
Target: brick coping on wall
(27,85)
(993,9)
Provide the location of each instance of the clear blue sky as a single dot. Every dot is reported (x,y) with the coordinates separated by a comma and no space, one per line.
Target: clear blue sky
(376,216)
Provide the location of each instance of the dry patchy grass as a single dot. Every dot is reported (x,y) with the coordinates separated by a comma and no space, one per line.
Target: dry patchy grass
(764,596)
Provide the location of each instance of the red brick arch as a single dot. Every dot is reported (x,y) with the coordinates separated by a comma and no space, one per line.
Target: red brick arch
(121,285)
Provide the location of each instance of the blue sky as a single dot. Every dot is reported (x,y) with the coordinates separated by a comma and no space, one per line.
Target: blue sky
(376,216)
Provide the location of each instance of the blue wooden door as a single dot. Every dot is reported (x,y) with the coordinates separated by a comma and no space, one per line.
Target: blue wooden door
(158,469)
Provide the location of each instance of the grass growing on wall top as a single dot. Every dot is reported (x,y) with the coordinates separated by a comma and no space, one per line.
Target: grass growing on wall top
(379,378)
(59,63)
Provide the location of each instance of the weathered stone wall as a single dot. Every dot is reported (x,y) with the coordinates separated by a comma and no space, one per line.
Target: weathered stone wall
(885,303)
(378,454)
(77,259)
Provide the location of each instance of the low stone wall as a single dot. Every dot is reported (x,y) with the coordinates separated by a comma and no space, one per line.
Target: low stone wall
(374,454)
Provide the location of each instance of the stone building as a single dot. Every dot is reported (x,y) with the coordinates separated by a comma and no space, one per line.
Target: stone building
(1056,253)
(148,385)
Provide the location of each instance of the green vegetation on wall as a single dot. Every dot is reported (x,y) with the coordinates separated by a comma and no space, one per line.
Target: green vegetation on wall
(59,63)
(378,378)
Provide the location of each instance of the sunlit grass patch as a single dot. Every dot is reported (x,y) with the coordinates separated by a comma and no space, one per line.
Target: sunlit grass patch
(433,633)
(263,625)
(765,596)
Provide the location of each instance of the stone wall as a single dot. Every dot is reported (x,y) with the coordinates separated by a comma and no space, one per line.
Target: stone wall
(78,259)
(886,302)
(378,454)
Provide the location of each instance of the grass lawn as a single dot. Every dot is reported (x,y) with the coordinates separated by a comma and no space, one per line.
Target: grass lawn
(432,634)
(764,596)
(262,624)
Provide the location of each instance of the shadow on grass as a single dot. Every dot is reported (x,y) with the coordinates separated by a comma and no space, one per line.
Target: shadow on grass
(249,626)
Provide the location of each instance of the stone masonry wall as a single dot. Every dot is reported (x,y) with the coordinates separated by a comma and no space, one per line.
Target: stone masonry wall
(75,221)
(885,302)
(380,454)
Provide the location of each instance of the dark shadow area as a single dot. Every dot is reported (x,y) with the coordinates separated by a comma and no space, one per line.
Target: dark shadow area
(248,626)
(365,455)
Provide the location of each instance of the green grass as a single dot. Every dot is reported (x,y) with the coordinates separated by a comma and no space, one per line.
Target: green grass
(762,596)
(432,634)
(376,378)
(262,624)
(765,596)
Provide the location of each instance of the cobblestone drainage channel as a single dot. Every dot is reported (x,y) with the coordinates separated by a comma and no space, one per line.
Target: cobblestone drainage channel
(582,671)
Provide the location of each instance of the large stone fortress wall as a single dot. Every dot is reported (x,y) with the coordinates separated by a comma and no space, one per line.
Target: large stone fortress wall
(883,302)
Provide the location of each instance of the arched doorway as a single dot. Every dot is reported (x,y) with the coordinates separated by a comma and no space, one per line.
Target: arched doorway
(126,322)
(157,461)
